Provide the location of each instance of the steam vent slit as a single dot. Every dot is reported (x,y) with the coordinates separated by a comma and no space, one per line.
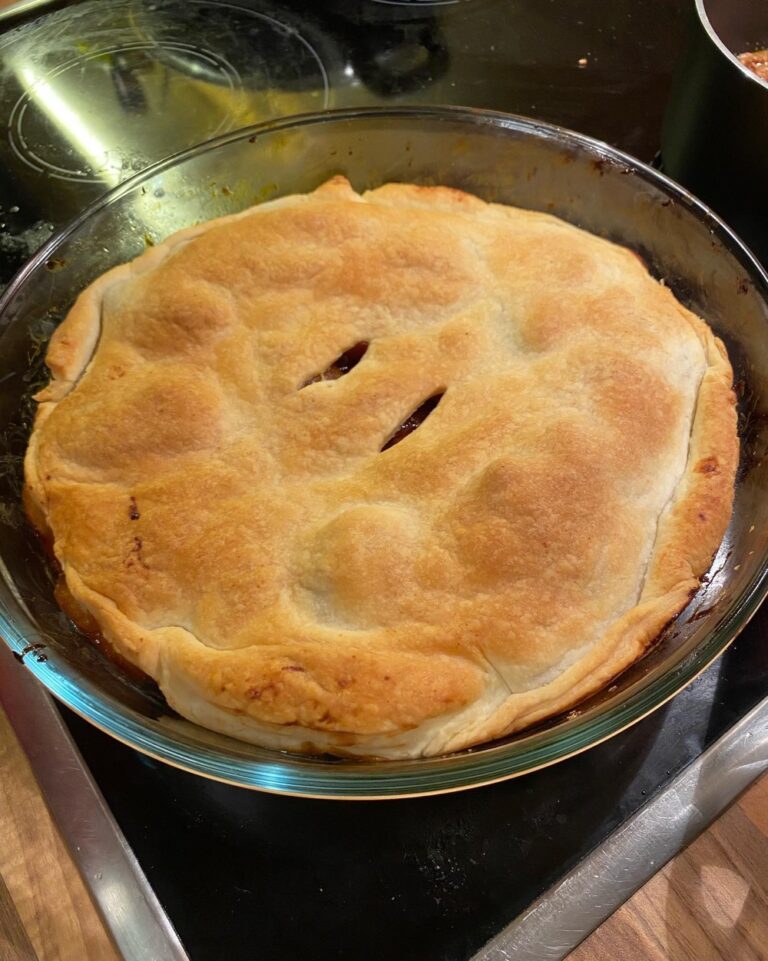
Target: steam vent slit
(414,420)
(342,365)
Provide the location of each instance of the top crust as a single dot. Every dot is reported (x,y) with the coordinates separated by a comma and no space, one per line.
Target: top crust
(243,539)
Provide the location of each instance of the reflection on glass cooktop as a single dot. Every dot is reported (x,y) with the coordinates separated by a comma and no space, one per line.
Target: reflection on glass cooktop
(97,90)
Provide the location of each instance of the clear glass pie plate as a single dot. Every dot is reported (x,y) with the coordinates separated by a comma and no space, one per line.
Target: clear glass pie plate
(500,158)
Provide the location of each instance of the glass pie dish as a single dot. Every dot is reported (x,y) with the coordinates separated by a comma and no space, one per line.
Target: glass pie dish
(500,158)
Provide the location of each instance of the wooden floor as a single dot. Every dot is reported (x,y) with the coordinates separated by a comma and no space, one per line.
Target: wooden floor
(45,911)
(709,904)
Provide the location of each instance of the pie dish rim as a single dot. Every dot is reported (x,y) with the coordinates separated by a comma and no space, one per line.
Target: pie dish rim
(751,596)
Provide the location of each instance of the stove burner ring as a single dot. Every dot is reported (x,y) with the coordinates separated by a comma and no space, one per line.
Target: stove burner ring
(40,94)
(80,123)
(285,30)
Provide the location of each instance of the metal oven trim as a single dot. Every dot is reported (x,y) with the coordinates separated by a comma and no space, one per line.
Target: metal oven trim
(583,899)
(121,892)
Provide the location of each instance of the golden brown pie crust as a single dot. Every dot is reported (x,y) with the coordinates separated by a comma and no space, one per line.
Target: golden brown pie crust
(238,533)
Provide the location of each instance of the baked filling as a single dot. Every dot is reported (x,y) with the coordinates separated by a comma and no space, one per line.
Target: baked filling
(757,62)
(388,474)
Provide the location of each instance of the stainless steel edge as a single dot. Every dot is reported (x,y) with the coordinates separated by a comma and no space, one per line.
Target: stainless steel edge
(565,914)
(135,918)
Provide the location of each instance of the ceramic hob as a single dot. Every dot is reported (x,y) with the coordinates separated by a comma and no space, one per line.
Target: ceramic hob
(181,867)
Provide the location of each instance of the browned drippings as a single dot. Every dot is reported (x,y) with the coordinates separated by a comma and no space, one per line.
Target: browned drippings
(83,620)
(709,465)
(40,525)
(88,626)
(414,420)
(342,365)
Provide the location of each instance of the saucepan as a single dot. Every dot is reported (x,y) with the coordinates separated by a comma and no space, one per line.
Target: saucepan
(715,136)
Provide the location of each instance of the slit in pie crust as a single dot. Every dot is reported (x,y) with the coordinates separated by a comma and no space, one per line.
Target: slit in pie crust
(385,475)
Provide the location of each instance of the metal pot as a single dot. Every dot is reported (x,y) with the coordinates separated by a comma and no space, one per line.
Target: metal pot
(715,135)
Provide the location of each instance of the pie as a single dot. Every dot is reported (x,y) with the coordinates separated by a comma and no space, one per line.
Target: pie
(386,474)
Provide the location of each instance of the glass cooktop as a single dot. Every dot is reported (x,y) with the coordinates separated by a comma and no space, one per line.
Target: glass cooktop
(92,92)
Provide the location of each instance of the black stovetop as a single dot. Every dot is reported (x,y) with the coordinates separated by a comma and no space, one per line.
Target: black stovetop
(247,876)
(96,90)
